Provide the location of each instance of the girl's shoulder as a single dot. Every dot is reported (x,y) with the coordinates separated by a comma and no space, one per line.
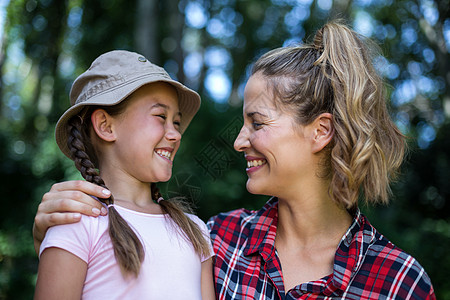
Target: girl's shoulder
(200,223)
(76,237)
(87,225)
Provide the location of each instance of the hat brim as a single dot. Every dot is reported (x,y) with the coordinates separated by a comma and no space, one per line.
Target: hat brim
(188,102)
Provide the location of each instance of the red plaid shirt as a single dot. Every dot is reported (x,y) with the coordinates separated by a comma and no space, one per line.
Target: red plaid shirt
(366,264)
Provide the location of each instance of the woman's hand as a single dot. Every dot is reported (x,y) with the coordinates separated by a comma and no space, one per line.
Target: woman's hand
(64,204)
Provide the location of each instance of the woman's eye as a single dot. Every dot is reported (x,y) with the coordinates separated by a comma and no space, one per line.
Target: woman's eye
(177,123)
(162,116)
(257,125)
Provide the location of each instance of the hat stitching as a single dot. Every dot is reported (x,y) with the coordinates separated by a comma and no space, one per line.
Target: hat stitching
(99,88)
(108,85)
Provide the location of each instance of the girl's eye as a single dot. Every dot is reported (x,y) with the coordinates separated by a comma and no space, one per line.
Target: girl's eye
(175,123)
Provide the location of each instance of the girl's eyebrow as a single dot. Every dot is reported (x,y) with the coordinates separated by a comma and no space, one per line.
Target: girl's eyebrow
(166,107)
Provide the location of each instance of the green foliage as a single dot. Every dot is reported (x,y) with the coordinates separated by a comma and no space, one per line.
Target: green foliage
(46,44)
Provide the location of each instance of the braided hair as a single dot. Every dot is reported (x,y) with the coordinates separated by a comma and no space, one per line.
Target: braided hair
(128,249)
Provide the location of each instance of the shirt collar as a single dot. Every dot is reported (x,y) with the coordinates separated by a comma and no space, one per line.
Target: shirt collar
(263,229)
(349,254)
(352,249)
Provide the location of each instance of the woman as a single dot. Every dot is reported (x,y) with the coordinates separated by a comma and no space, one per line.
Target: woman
(316,136)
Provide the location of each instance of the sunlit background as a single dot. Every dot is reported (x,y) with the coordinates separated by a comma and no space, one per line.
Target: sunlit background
(210,45)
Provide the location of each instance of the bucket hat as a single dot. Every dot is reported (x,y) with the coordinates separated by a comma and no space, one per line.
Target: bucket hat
(110,79)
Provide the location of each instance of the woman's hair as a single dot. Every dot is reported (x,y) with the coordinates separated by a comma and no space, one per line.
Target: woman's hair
(128,249)
(334,74)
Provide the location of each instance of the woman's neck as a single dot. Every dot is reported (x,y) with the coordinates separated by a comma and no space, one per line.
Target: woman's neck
(311,217)
(309,230)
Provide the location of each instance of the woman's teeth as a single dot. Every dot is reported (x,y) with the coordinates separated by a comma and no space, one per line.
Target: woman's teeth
(255,163)
(164,153)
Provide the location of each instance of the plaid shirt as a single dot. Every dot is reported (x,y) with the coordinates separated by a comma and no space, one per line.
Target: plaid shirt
(366,264)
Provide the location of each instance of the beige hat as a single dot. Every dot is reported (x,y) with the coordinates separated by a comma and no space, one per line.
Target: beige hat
(111,78)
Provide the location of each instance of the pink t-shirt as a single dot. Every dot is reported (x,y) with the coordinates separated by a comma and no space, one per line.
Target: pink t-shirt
(171,268)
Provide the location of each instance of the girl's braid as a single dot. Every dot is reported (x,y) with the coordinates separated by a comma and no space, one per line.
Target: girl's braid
(78,150)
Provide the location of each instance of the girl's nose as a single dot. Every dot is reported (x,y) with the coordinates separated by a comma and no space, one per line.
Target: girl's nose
(172,134)
(242,142)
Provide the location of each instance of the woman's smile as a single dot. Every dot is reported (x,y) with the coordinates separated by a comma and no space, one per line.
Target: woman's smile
(254,163)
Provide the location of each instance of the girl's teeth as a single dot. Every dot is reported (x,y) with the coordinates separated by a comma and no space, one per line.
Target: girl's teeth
(164,153)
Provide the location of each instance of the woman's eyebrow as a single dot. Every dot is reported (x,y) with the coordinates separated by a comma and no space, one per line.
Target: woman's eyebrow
(251,114)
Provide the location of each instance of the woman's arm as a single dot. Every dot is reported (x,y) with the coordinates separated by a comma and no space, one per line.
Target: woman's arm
(64,204)
(207,280)
(61,275)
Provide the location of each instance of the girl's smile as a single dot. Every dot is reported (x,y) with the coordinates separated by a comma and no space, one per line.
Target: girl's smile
(165,153)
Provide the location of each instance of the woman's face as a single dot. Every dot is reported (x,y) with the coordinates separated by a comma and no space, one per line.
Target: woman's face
(277,150)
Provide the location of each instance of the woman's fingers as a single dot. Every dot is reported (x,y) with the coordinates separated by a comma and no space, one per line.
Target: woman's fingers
(43,221)
(70,201)
(82,186)
(75,196)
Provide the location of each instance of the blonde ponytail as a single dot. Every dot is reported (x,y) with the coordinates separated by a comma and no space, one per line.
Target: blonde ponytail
(335,74)
(369,148)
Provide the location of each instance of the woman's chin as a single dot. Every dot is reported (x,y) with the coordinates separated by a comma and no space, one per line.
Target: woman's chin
(256,189)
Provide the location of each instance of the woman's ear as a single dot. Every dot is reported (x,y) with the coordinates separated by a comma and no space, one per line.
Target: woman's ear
(323,131)
(102,123)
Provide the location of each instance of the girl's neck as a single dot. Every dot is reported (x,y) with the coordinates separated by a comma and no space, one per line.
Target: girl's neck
(130,193)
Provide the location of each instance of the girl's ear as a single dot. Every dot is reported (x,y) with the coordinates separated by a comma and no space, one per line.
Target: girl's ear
(102,123)
(323,131)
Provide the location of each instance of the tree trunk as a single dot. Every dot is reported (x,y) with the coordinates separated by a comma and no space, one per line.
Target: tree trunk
(176,25)
(146,31)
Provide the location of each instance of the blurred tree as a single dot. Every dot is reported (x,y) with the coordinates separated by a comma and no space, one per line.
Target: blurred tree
(146,29)
(209,45)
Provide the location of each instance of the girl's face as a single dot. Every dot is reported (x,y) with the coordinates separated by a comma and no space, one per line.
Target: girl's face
(275,147)
(148,133)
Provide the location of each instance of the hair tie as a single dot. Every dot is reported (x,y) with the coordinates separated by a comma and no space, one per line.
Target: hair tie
(159,199)
(81,119)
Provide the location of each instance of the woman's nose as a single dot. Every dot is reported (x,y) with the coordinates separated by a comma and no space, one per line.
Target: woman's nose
(242,142)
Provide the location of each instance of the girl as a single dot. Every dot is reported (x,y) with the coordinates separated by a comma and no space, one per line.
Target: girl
(123,131)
